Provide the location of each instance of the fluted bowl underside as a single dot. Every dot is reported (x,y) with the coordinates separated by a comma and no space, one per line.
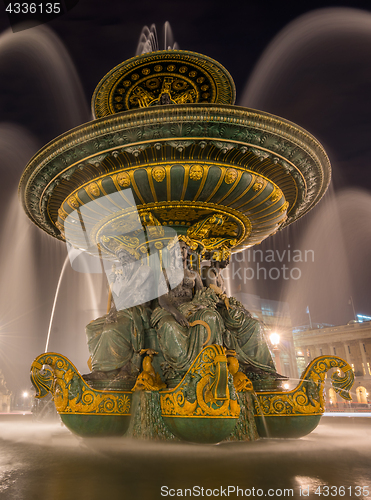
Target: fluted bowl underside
(182,163)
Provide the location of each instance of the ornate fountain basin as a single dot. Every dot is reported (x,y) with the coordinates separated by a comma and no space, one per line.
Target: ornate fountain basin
(168,139)
(182,163)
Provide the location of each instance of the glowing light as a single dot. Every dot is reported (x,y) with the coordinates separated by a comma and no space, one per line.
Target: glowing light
(300,353)
(286,386)
(274,338)
(25,394)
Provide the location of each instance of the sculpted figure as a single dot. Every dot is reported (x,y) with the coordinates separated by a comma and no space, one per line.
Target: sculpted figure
(243,333)
(115,339)
(186,319)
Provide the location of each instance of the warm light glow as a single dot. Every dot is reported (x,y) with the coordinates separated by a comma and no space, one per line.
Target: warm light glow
(25,394)
(300,353)
(286,386)
(274,338)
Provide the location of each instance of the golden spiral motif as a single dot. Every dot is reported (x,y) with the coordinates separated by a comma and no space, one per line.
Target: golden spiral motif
(146,71)
(171,67)
(135,76)
(158,173)
(183,69)
(158,68)
(196,172)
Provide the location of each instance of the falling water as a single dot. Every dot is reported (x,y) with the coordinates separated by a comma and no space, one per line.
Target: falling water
(28,258)
(66,261)
(297,79)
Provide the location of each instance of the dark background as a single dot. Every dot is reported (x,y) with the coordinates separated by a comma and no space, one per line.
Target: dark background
(314,71)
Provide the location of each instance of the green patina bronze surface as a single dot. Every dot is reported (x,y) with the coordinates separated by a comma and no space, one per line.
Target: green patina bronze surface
(169,154)
(84,410)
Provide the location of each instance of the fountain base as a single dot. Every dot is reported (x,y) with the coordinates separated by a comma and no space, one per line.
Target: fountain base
(204,407)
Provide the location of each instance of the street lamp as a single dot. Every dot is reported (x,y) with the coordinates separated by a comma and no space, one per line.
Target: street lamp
(25,396)
(275,340)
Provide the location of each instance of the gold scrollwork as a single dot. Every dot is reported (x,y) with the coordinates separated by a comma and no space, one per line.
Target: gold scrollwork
(308,397)
(204,391)
(71,393)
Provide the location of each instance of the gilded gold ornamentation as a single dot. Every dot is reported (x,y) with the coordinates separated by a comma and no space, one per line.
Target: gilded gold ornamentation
(123,179)
(158,68)
(159,173)
(202,229)
(204,391)
(230,175)
(148,379)
(62,214)
(223,253)
(71,393)
(240,381)
(308,397)
(258,185)
(152,225)
(196,172)
(93,189)
(146,71)
(191,243)
(227,229)
(73,202)
(214,243)
(284,207)
(276,195)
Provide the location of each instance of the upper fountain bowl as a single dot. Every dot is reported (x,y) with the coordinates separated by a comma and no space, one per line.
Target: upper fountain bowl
(167,131)
(177,76)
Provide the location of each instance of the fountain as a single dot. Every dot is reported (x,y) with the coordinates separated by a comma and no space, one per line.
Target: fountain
(166,182)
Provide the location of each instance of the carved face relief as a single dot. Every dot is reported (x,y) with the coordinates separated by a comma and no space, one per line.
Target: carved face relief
(73,202)
(158,173)
(196,172)
(94,189)
(123,179)
(230,176)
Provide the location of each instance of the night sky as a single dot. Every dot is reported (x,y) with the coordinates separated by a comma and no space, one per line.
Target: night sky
(314,71)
